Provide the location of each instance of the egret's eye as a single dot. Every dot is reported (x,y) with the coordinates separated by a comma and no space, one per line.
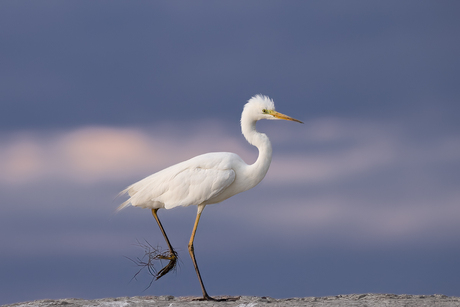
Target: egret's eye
(265,111)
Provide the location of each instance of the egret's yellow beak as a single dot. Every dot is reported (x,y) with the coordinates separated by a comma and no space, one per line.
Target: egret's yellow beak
(282,116)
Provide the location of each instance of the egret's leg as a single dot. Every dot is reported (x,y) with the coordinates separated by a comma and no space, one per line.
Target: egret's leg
(191,251)
(172,253)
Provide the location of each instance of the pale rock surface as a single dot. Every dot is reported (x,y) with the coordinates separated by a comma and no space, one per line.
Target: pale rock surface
(355,300)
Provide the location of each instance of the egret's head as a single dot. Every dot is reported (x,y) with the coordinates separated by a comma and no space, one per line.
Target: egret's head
(262,107)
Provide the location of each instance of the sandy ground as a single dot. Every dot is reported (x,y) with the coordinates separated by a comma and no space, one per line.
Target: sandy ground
(358,300)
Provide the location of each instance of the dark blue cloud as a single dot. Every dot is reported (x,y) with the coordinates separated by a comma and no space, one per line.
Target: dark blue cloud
(67,64)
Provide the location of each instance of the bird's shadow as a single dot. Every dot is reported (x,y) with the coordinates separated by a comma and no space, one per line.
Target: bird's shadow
(151,258)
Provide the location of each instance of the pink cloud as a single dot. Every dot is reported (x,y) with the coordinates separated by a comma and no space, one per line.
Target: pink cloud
(91,154)
(21,160)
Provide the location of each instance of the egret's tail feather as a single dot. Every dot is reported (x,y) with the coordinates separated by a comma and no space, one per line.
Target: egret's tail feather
(126,203)
(123,205)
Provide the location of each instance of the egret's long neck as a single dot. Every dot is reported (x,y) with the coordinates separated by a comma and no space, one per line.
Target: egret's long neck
(261,141)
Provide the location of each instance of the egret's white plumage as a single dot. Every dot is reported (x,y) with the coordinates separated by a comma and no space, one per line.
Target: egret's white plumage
(209,178)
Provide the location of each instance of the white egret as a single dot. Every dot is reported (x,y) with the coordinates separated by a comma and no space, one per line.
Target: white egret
(207,179)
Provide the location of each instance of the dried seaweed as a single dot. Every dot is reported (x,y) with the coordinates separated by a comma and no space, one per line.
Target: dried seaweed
(153,255)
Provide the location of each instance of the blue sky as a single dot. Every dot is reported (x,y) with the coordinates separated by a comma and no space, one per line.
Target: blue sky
(362,198)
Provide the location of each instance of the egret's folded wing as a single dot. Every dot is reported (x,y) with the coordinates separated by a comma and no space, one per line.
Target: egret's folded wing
(178,186)
(194,186)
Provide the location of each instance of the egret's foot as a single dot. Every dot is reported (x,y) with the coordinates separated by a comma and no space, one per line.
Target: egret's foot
(220,299)
(206,298)
(170,266)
